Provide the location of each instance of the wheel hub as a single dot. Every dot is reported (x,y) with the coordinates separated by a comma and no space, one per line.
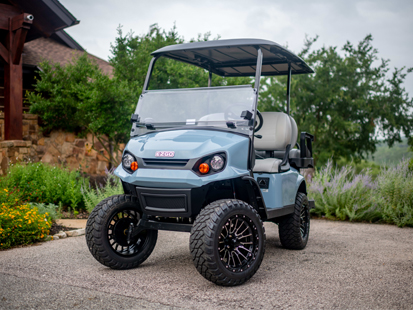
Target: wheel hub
(238,243)
(118,233)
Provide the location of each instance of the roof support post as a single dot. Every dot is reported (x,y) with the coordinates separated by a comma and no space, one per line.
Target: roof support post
(13,75)
(257,80)
(209,79)
(258,71)
(149,74)
(288,88)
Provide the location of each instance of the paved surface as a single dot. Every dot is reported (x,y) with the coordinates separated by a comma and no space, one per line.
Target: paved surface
(72,223)
(345,266)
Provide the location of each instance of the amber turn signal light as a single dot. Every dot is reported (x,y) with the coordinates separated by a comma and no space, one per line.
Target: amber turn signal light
(134,166)
(203,168)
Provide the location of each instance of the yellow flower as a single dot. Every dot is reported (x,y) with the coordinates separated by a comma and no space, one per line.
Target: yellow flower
(6,190)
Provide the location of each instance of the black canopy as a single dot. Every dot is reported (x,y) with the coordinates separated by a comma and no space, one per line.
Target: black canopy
(236,57)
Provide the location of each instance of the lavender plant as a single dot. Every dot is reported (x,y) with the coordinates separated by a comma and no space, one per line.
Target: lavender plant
(343,194)
(395,186)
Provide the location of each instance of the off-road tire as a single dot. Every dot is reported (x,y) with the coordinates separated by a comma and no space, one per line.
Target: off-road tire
(210,225)
(293,228)
(97,234)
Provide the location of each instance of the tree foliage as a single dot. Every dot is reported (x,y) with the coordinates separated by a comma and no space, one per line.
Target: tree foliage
(131,57)
(79,98)
(349,102)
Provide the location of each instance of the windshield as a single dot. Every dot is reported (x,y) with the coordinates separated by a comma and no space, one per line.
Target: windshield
(209,106)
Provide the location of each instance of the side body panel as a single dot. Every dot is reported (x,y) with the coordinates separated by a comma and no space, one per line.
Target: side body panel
(282,188)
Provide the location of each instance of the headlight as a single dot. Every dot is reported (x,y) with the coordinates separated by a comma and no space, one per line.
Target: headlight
(210,164)
(127,160)
(217,162)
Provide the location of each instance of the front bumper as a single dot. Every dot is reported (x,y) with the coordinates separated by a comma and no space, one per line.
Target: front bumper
(168,202)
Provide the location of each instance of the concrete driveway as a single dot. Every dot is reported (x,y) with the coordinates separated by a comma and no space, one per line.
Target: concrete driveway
(345,266)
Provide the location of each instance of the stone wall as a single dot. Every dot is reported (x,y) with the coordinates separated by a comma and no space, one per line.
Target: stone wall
(13,151)
(30,127)
(84,153)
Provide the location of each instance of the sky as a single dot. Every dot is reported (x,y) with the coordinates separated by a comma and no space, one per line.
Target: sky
(284,22)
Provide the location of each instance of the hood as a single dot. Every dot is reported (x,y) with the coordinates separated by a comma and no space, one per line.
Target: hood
(186,144)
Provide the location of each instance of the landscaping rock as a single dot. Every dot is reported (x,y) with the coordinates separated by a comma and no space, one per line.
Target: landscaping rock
(55,237)
(61,234)
(75,233)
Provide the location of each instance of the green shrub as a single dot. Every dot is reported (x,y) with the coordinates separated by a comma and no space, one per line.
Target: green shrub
(343,194)
(362,166)
(9,196)
(53,211)
(93,196)
(395,187)
(21,225)
(411,164)
(42,183)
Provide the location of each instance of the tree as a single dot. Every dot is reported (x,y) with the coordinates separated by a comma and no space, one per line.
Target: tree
(348,103)
(131,57)
(80,98)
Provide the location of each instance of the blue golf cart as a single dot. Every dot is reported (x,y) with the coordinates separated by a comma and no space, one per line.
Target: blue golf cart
(206,161)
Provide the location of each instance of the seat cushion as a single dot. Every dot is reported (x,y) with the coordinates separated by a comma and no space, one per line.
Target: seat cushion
(269,165)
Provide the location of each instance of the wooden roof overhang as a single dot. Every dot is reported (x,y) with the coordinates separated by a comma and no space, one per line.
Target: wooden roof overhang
(22,21)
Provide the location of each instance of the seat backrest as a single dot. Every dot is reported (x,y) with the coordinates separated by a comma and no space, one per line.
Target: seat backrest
(278,130)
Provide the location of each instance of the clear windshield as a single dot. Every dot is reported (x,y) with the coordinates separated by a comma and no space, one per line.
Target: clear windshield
(211,106)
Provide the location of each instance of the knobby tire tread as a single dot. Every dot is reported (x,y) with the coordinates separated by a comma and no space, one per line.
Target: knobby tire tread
(289,226)
(95,234)
(201,245)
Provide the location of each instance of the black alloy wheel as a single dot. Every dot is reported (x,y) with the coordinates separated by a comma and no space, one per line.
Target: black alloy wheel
(238,243)
(117,233)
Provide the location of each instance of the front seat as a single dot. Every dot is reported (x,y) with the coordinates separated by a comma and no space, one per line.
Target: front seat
(279,130)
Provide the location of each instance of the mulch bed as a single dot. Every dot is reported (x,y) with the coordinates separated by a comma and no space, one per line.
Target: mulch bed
(56,228)
(71,215)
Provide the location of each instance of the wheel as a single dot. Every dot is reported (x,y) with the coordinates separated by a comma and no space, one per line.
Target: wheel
(227,242)
(295,227)
(106,233)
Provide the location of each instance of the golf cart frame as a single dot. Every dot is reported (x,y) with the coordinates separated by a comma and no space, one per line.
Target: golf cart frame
(166,189)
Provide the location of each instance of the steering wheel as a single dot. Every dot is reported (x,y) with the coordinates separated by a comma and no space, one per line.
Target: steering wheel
(258,125)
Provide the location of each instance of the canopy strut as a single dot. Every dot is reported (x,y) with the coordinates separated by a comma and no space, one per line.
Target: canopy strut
(288,88)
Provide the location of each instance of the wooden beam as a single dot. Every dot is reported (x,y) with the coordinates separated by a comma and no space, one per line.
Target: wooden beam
(23,20)
(6,12)
(18,43)
(19,24)
(13,101)
(4,53)
(13,94)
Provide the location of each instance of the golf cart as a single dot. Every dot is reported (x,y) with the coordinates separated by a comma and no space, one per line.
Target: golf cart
(206,161)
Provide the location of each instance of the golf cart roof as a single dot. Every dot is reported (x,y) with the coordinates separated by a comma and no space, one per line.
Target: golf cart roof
(236,57)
